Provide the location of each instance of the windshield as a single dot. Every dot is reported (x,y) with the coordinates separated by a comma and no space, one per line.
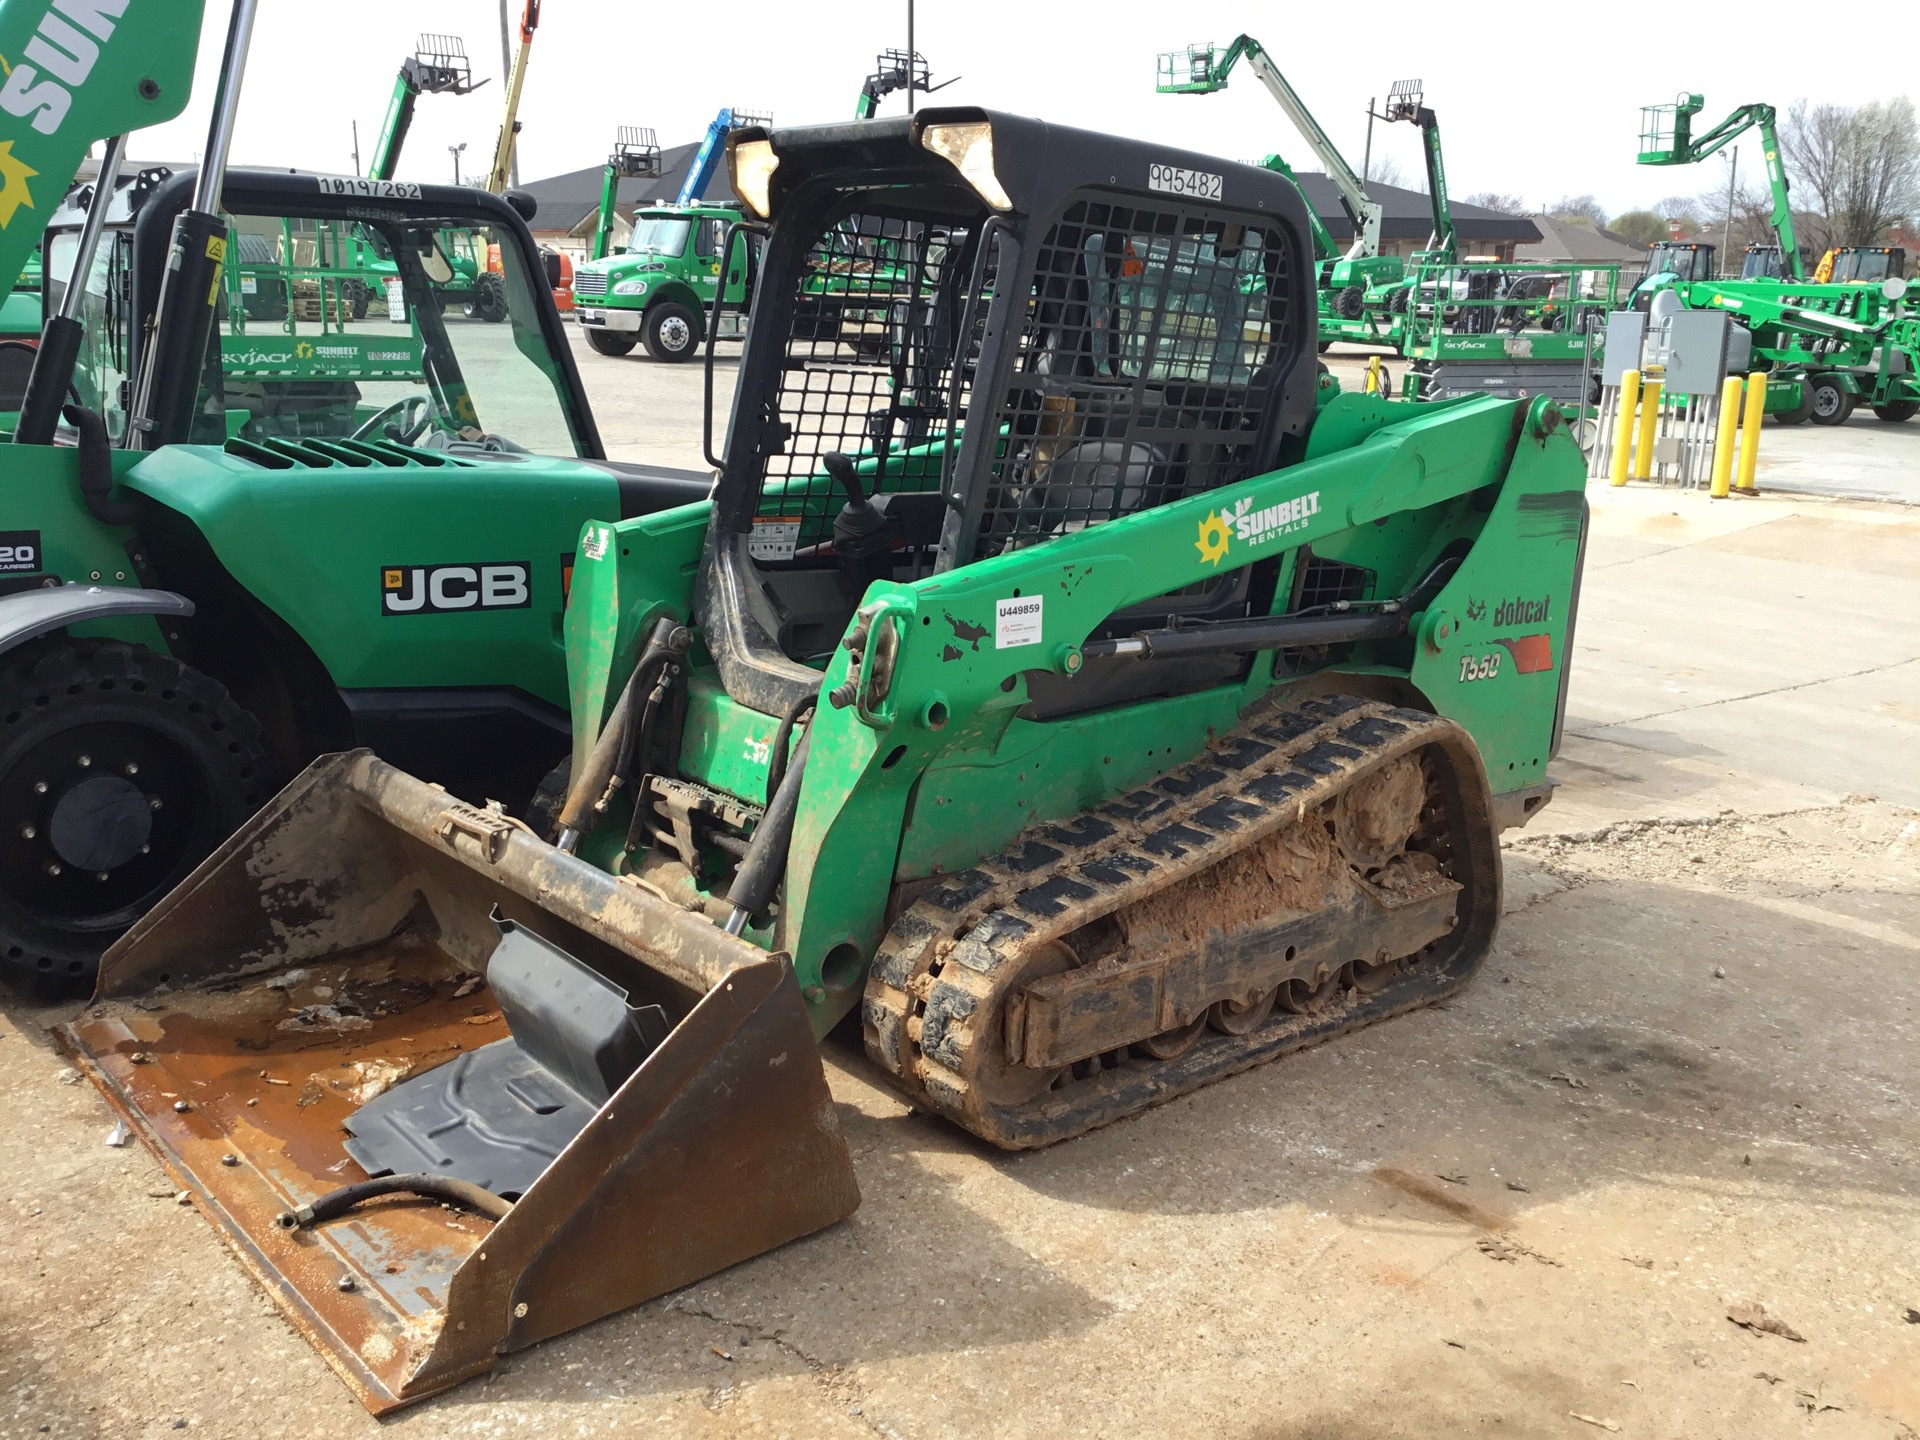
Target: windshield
(659,235)
(1862,265)
(1762,263)
(101,366)
(426,334)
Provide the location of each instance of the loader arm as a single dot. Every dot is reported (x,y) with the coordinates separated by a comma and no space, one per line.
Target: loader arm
(79,76)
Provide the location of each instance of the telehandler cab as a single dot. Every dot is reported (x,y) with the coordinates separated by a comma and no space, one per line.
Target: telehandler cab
(1078,688)
(236,541)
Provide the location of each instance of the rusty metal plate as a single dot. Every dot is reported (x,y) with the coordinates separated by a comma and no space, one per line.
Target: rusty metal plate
(266,1073)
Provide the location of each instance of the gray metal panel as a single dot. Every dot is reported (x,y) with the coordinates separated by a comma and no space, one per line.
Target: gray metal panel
(1696,353)
(1626,331)
(1562,380)
(32,613)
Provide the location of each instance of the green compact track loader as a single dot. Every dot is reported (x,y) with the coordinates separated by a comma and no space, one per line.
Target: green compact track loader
(1077,695)
(241,534)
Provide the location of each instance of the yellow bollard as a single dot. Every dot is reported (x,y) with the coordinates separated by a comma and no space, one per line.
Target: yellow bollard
(1372,386)
(1723,437)
(1750,442)
(1649,421)
(1623,432)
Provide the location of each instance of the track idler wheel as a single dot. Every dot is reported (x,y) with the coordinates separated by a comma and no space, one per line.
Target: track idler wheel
(1242,1017)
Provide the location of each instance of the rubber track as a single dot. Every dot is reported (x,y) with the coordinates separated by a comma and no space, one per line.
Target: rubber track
(940,960)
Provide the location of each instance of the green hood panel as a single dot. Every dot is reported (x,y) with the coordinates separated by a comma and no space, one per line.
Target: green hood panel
(360,560)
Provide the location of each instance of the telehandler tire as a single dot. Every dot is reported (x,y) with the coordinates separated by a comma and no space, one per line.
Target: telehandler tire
(611,342)
(1898,412)
(672,333)
(120,770)
(487,300)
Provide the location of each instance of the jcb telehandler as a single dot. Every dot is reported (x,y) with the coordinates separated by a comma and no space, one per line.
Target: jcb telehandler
(235,541)
(1077,690)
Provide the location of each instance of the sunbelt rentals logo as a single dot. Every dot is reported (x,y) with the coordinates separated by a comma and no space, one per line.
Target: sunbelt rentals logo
(38,86)
(1252,527)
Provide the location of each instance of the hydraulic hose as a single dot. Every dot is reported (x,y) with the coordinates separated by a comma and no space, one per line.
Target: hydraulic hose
(618,742)
(335,1203)
(766,862)
(95,462)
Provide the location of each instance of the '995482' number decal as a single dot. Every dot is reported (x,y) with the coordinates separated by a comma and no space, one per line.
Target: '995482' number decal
(1479,667)
(1174,181)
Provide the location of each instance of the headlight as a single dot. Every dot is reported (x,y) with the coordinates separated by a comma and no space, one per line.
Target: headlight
(750,167)
(630,287)
(969,149)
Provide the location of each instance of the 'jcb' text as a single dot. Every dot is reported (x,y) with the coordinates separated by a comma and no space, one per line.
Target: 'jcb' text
(441,589)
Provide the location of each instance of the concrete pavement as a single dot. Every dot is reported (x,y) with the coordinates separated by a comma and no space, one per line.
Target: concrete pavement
(1684,1083)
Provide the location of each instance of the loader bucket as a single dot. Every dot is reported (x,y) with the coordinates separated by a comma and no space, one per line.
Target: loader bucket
(369,955)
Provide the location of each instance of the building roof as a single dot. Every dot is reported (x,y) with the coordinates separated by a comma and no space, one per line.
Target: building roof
(1408,215)
(567,200)
(1570,240)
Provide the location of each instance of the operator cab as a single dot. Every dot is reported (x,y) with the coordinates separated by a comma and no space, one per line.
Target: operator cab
(1682,259)
(1022,386)
(1763,262)
(1869,264)
(340,319)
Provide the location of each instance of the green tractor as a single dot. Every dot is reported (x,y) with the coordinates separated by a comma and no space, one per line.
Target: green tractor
(666,286)
(232,547)
(1077,697)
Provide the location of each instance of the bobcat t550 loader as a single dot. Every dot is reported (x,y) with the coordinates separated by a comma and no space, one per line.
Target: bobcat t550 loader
(1077,689)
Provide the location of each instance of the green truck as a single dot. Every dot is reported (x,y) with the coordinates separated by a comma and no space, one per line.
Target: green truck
(678,260)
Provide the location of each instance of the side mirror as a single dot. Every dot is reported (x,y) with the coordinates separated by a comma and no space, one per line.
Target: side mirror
(523,203)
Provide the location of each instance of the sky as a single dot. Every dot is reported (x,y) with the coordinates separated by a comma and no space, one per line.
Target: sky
(1525,106)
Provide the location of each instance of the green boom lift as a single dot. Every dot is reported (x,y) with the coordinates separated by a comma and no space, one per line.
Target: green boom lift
(192,604)
(1078,692)
(1828,345)
(1667,138)
(1406,100)
(1346,280)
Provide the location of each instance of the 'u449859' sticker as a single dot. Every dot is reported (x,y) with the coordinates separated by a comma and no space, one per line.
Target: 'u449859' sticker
(1017,621)
(19,552)
(442,589)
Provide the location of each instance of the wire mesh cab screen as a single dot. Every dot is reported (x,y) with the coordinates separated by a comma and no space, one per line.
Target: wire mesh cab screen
(867,372)
(1155,338)
(1151,339)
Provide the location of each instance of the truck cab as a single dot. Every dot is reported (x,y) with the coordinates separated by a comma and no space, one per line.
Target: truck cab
(658,289)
